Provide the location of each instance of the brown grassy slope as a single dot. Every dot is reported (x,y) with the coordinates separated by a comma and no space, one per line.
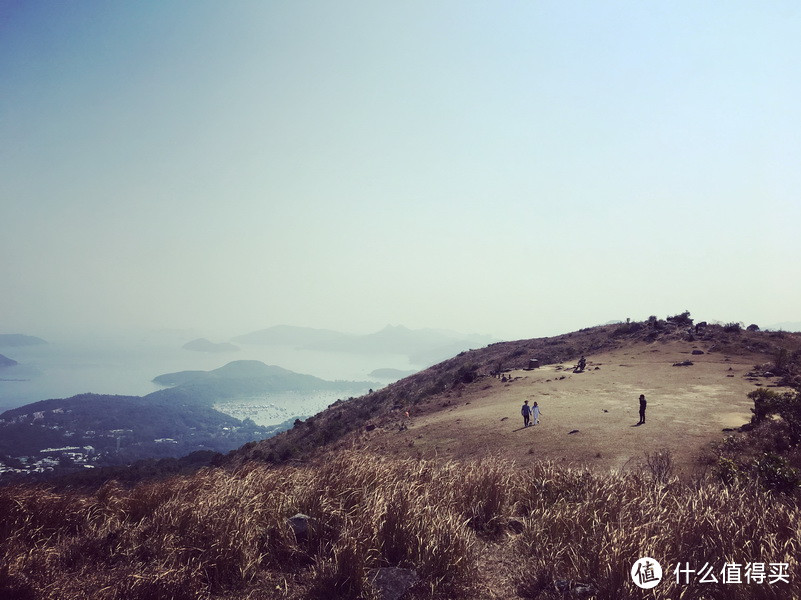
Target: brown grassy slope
(471,529)
(456,408)
(589,418)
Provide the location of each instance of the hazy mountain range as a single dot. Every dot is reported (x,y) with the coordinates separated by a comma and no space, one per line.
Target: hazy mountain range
(204,345)
(422,346)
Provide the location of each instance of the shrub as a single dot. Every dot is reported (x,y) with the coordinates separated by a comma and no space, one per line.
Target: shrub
(682,319)
(785,361)
(766,402)
(790,412)
(728,471)
(732,327)
(627,328)
(660,465)
(786,405)
(775,473)
(465,374)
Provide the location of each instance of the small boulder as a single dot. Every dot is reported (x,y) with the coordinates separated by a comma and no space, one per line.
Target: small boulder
(391,583)
(300,525)
(516,526)
(574,589)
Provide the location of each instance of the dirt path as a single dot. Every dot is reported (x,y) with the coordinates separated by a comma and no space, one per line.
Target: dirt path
(688,407)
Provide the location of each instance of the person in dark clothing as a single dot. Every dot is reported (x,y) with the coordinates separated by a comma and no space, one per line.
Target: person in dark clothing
(643,403)
(526,412)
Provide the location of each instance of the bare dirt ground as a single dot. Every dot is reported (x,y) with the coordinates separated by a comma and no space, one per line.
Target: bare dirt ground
(588,418)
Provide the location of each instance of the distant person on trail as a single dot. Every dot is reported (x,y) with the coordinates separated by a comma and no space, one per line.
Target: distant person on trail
(525,410)
(535,414)
(643,403)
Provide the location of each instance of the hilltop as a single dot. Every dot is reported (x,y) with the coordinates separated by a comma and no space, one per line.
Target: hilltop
(458,409)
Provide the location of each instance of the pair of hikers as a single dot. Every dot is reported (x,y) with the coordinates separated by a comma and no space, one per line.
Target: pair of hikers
(530,413)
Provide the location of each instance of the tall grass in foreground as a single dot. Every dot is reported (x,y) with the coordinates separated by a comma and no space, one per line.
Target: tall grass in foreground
(593,528)
(226,535)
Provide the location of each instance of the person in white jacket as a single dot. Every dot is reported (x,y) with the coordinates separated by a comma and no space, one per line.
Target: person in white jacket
(535,414)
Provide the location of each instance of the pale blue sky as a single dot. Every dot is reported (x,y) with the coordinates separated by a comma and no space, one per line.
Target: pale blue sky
(509,168)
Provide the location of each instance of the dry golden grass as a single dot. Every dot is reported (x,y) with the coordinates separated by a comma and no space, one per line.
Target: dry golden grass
(220,534)
(594,528)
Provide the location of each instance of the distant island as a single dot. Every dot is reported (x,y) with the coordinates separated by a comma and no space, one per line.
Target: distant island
(204,345)
(7,362)
(17,339)
(95,430)
(244,377)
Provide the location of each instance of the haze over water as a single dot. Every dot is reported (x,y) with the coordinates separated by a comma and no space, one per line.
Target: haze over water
(119,365)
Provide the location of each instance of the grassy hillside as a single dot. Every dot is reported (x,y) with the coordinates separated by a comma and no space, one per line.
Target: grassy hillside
(462,379)
(486,529)
(490,526)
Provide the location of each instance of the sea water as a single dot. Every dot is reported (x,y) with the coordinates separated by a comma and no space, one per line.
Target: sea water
(127,365)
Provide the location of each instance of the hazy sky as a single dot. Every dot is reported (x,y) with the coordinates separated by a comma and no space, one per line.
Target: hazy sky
(509,168)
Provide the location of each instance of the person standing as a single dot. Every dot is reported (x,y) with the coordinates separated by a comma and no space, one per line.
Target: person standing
(643,404)
(525,410)
(535,414)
